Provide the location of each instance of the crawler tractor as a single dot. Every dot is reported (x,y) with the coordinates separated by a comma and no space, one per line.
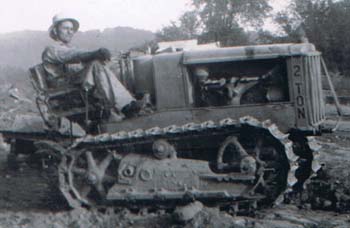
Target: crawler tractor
(230,126)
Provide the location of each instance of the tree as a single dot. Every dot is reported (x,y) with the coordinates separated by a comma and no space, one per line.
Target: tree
(327,25)
(190,24)
(217,21)
(188,28)
(222,19)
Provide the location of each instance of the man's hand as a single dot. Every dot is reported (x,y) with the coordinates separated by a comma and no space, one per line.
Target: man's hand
(101,54)
(104,54)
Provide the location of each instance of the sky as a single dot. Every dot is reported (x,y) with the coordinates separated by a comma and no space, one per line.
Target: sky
(17,15)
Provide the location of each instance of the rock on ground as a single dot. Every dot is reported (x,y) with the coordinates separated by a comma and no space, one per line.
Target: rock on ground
(330,190)
(282,217)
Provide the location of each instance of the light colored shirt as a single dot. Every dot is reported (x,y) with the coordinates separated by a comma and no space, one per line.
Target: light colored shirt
(57,61)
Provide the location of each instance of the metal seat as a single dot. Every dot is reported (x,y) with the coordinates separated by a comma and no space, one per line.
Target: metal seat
(68,101)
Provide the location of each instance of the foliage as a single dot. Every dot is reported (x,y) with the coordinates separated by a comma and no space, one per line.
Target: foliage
(222,19)
(216,12)
(326,24)
(232,36)
(190,23)
(217,21)
(188,28)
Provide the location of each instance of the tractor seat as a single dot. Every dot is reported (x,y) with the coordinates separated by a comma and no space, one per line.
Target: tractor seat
(65,101)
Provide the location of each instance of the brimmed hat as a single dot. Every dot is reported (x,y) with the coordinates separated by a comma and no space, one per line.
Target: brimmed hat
(59,18)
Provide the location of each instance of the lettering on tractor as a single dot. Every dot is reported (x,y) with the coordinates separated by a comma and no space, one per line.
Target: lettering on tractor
(299,90)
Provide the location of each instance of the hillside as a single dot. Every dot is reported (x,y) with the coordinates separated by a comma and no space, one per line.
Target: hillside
(23,49)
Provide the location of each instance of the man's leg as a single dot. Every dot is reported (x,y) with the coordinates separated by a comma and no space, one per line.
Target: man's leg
(107,85)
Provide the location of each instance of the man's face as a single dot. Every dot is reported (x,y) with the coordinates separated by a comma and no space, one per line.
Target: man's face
(65,31)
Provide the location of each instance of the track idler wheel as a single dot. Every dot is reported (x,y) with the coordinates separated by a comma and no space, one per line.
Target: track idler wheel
(85,176)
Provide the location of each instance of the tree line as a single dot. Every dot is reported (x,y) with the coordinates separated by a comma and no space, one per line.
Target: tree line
(326,23)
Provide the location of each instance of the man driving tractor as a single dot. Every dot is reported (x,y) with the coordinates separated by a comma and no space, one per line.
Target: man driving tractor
(66,65)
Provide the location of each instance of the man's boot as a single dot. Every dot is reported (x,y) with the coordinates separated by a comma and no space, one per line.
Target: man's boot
(132,109)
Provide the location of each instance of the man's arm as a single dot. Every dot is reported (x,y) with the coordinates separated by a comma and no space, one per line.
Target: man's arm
(100,54)
(65,55)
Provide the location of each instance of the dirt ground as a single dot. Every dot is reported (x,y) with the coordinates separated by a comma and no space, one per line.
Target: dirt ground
(283,217)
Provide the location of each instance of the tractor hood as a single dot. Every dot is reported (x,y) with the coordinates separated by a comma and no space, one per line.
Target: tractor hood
(247,52)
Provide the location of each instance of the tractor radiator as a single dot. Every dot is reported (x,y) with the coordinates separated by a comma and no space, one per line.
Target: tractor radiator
(313,83)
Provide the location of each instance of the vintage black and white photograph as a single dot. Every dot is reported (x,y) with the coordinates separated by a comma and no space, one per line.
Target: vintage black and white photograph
(175,113)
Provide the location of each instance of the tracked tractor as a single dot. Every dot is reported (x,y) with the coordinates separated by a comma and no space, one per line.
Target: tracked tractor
(231,126)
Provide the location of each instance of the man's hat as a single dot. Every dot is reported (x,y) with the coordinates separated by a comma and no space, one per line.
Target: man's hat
(59,18)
